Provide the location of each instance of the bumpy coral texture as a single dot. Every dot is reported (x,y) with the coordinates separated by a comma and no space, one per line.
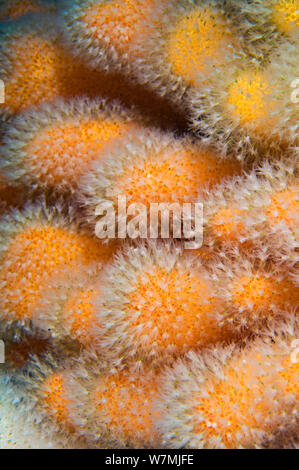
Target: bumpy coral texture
(144,342)
(162,306)
(151,167)
(36,247)
(210,405)
(65,139)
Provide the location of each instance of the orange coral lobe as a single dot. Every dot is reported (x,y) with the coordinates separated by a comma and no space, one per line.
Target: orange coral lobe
(35,72)
(124,404)
(33,256)
(55,400)
(66,150)
(41,71)
(284,207)
(200,41)
(259,292)
(173,179)
(227,223)
(121,22)
(171,310)
(237,408)
(79,315)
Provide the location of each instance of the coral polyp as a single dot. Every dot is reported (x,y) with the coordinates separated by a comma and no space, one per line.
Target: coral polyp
(250,100)
(37,244)
(103,32)
(208,403)
(52,147)
(199,42)
(187,44)
(256,296)
(258,210)
(248,111)
(149,208)
(117,407)
(161,306)
(151,167)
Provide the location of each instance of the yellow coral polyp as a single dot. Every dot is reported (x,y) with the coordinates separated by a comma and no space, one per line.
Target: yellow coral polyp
(79,316)
(171,309)
(199,42)
(66,150)
(284,207)
(118,21)
(33,256)
(258,292)
(54,400)
(174,179)
(227,223)
(251,101)
(286,15)
(124,403)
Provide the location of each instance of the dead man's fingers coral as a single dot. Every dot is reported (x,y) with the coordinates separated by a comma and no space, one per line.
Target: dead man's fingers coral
(232,398)
(190,41)
(248,110)
(103,32)
(116,407)
(40,248)
(256,211)
(36,68)
(151,168)
(158,303)
(51,147)
(254,291)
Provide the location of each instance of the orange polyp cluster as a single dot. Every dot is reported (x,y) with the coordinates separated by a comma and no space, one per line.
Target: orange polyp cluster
(36,71)
(227,223)
(14,9)
(65,150)
(35,255)
(286,15)
(258,292)
(41,71)
(176,178)
(171,309)
(243,400)
(54,399)
(119,21)
(79,316)
(251,101)
(123,403)
(290,376)
(200,41)
(284,207)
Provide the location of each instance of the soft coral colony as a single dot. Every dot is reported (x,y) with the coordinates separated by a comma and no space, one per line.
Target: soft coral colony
(144,343)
